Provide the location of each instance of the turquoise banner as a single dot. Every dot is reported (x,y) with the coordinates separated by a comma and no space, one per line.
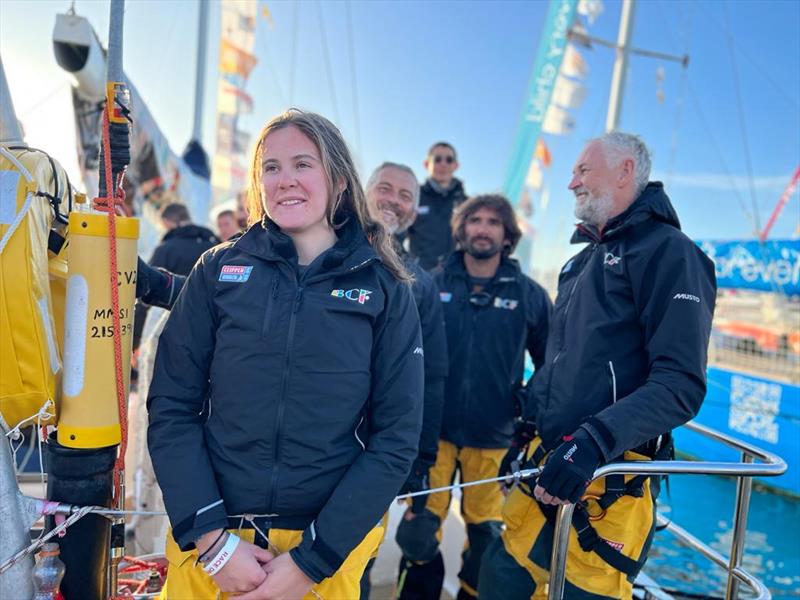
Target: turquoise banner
(540,89)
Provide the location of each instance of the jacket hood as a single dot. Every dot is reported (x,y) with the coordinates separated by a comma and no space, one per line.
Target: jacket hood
(190,231)
(652,204)
(267,241)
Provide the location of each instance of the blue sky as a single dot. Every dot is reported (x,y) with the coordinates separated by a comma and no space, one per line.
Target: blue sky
(458,71)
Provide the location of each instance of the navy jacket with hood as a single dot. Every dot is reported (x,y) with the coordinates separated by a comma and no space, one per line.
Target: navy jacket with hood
(181,247)
(430,236)
(486,346)
(298,396)
(434,344)
(629,334)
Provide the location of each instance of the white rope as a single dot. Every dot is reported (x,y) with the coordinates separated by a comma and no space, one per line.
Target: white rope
(5,566)
(28,198)
(43,414)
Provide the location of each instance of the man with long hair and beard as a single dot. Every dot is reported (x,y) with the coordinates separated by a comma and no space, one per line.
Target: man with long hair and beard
(493,313)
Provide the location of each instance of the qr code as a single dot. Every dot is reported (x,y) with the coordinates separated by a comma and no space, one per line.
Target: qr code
(754,406)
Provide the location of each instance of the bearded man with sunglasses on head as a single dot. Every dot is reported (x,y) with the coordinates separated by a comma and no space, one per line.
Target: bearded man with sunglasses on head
(492,313)
(430,240)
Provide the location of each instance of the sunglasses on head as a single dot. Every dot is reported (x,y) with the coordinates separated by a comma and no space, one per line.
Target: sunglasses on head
(480,299)
(448,159)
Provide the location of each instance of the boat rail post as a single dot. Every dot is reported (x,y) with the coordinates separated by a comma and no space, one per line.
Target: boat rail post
(744,486)
(558,557)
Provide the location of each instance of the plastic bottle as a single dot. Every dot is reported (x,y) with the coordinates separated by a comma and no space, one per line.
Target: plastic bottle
(47,573)
(153,582)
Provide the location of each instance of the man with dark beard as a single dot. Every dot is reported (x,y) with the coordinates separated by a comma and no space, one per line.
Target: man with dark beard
(493,313)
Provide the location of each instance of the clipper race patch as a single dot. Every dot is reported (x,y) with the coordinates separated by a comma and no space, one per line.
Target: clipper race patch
(445,296)
(235,273)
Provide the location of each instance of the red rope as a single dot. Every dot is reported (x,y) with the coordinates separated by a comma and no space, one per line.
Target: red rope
(109,205)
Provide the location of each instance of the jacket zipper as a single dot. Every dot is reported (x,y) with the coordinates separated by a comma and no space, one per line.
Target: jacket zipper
(564,321)
(282,402)
(270,305)
(298,299)
(613,376)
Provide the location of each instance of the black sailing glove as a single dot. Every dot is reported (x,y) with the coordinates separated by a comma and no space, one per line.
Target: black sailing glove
(570,468)
(417,481)
(523,434)
(155,286)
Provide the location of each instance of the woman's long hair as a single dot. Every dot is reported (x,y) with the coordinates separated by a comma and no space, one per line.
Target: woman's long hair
(339,167)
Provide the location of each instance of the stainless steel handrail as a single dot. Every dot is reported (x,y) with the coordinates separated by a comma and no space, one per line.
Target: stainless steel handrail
(762,593)
(771,466)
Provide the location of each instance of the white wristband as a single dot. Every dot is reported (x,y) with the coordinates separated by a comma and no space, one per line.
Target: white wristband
(223,556)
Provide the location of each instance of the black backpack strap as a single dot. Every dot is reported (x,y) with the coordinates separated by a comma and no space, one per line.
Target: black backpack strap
(590,541)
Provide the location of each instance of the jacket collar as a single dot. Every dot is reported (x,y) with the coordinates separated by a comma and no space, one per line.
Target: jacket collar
(266,240)
(432,188)
(508,269)
(652,204)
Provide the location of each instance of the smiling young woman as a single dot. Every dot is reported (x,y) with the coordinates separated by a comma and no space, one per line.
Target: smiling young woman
(287,387)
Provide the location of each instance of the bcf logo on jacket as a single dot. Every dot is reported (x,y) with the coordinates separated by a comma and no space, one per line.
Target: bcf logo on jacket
(356,295)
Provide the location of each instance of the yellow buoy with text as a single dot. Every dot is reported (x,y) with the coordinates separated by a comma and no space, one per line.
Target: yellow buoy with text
(89,410)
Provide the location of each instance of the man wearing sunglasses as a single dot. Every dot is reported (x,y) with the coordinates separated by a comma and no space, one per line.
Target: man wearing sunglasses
(493,313)
(430,240)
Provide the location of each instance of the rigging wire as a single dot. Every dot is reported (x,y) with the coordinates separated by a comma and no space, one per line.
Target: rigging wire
(686,34)
(742,124)
(720,155)
(161,51)
(709,16)
(293,59)
(353,80)
(262,40)
(327,56)
(44,99)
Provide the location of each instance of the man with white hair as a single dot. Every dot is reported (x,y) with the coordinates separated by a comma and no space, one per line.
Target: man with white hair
(625,364)
(392,198)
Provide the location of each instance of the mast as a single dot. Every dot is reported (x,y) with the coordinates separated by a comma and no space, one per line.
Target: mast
(194,155)
(200,77)
(620,65)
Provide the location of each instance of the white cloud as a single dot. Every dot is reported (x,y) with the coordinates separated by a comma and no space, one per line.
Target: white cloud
(723,182)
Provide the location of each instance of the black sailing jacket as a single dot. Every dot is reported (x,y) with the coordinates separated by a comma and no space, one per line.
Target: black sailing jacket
(629,333)
(290,368)
(430,236)
(486,345)
(181,247)
(434,344)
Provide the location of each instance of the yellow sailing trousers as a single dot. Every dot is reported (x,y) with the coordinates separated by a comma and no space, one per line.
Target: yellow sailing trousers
(481,505)
(517,565)
(187,580)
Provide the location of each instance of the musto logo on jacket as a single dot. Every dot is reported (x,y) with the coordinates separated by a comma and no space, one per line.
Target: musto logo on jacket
(356,295)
